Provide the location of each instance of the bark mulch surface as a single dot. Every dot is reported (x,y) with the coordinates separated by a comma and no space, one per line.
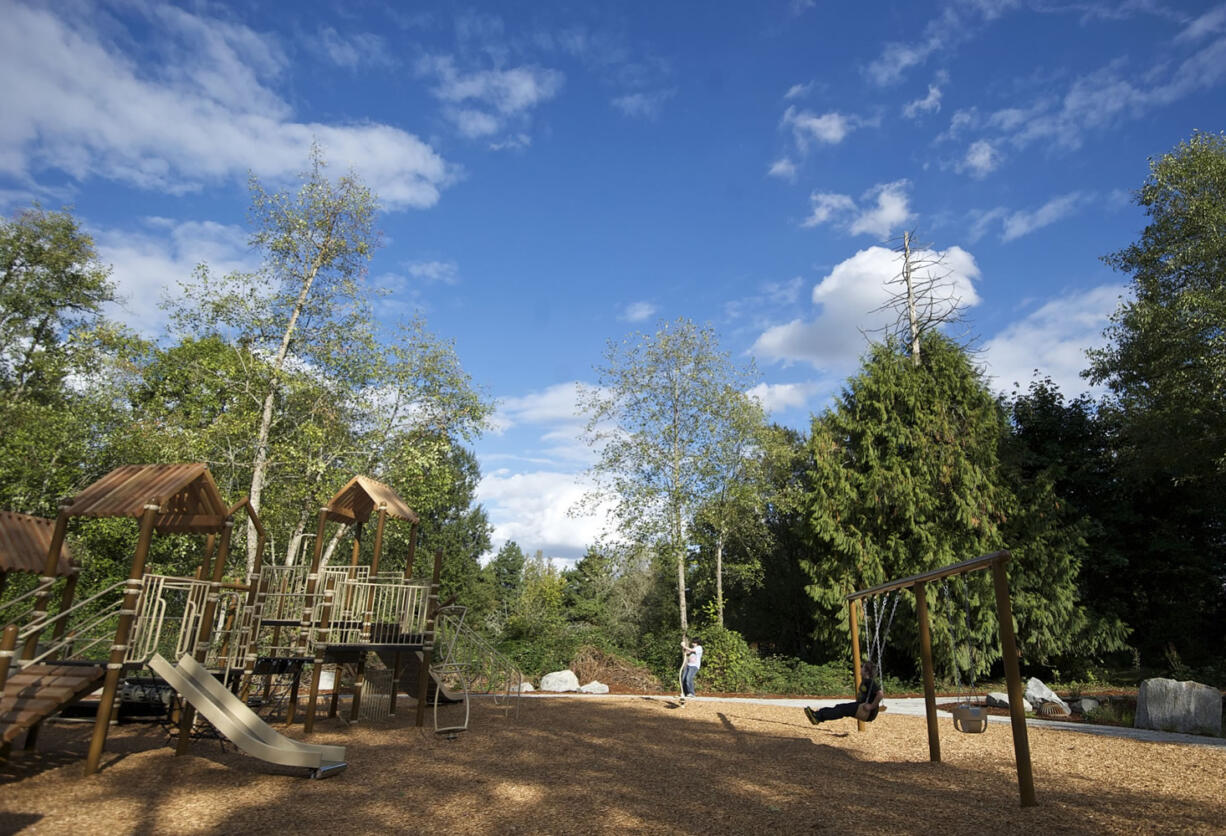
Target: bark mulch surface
(591,764)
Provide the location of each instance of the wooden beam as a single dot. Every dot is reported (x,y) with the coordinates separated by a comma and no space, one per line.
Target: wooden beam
(930,691)
(974,563)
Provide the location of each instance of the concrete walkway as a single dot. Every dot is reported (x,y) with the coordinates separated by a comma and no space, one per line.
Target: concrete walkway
(914,707)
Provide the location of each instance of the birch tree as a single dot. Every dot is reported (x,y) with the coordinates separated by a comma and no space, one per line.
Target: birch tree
(658,419)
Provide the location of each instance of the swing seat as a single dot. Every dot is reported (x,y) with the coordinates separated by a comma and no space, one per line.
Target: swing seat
(970,719)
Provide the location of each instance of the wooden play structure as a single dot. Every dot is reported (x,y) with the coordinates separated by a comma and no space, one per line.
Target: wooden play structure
(285,619)
(996,563)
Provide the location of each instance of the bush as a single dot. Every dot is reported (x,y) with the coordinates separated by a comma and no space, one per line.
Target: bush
(786,675)
(728,665)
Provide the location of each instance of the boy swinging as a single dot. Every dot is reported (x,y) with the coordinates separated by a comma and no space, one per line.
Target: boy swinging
(866,707)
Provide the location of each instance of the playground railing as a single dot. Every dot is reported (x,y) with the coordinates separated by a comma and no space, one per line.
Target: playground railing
(391,611)
(20,607)
(485,669)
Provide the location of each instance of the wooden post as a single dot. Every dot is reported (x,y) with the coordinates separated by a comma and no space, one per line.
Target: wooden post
(427,655)
(853,613)
(1013,678)
(308,723)
(8,649)
(205,568)
(408,566)
(50,567)
(930,691)
(374,561)
(120,647)
(357,547)
(61,626)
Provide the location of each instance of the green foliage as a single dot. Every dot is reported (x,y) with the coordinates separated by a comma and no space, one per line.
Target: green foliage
(1166,369)
(664,415)
(789,675)
(728,665)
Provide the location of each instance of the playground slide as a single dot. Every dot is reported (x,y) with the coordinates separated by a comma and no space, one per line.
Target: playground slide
(240,724)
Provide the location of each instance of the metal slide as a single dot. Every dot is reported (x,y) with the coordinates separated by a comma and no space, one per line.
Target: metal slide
(240,724)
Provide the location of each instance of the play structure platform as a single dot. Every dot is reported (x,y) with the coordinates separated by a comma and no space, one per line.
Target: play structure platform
(240,725)
(39,691)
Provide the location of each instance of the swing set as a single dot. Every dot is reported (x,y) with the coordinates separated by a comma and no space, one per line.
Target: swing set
(967,718)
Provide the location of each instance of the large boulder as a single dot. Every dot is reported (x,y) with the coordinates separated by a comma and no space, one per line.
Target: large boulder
(595,687)
(1037,693)
(525,687)
(560,681)
(1188,707)
(1084,705)
(999,699)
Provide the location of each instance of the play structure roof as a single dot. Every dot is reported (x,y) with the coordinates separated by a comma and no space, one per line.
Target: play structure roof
(362,496)
(186,495)
(24,541)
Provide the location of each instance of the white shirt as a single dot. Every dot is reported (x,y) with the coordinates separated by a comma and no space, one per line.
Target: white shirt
(695,658)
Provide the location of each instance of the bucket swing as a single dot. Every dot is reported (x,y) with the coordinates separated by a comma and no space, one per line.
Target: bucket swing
(968,717)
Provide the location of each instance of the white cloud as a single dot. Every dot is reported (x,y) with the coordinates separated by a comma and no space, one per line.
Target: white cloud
(78,104)
(1053,340)
(829,128)
(557,404)
(957,23)
(643,105)
(891,210)
(638,311)
(1023,223)
(799,91)
(777,397)
(981,159)
(445,272)
(150,264)
(784,169)
(849,300)
(352,51)
(484,102)
(828,207)
(881,209)
(1210,23)
(532,509)
(930,103)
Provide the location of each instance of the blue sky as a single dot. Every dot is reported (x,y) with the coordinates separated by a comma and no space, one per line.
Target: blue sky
(555,175)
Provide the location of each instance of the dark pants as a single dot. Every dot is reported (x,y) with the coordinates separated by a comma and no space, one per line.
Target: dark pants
(687,681)
(843,709)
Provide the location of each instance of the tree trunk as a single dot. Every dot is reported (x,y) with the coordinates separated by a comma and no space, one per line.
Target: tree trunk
(719,579)
(912,317)
(259,467)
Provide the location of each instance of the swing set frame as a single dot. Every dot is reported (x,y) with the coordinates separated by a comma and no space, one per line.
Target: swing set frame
(1008,642)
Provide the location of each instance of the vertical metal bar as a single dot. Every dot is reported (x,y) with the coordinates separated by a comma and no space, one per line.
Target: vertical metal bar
(853,608)
(205,632)
(1013,678)
(122,632)
(930,691)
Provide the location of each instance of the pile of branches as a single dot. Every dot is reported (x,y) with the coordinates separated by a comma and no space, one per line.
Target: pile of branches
(591,663)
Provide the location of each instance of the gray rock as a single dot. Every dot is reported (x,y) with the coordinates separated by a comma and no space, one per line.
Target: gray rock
(1188,707)
(998,699)
(595,687)
(560,681)
(1084,705)
(525,687)
(1037,693)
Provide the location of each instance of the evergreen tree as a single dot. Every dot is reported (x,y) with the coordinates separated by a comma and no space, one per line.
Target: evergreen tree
(906,478)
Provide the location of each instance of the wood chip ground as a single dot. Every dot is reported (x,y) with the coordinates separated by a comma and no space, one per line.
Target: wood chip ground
(593,765)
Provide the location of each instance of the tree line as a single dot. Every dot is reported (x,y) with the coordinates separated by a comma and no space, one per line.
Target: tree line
(745,533)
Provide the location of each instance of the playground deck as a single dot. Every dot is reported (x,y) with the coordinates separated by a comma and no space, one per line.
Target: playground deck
(616,765)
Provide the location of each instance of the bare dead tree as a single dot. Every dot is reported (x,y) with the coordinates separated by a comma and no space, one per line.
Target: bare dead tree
(923,294)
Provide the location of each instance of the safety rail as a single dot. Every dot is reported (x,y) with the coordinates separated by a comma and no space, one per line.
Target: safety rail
(77,630)
(379,612)
(462,651)
(11,612)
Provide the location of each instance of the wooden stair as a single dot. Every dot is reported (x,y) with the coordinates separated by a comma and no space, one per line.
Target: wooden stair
(37,692)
